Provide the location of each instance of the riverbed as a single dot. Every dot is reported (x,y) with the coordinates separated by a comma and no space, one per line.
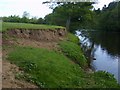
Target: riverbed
(102,49)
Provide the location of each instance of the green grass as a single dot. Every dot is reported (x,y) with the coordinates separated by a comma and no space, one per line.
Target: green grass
(8,25)
(46,68)
(49,69)
(74,52)
(73,38)
(105,80)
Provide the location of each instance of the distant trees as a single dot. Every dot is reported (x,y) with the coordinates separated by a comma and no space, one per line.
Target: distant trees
(25,14)
(25,19)
(40,21)
(11,18)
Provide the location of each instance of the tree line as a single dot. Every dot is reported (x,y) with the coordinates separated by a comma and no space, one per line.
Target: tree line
(24,19)
(77,15)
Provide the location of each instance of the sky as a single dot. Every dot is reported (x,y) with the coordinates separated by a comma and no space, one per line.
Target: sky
(34,7)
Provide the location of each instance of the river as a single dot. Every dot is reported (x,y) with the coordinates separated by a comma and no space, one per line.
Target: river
(102,49)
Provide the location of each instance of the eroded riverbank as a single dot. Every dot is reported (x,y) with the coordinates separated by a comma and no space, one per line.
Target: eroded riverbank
(58,63)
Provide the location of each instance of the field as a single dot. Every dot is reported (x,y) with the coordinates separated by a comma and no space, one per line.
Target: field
(7,26)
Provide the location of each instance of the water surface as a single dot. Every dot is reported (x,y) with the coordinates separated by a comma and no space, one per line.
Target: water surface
(102,50)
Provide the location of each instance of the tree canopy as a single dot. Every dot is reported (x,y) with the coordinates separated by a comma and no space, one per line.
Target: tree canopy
(71,14)
(109,17)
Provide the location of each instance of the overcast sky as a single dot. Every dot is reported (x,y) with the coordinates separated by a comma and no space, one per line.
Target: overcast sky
(34,7)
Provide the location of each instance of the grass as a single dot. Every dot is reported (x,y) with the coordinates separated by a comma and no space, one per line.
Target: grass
(8,25)
(74,52)
(104,80)
(46,68)
(49,69)
(73,38)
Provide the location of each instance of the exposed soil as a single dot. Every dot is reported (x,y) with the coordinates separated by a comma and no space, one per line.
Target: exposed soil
(41,39)
(8,78)
(38,35)
(32,43)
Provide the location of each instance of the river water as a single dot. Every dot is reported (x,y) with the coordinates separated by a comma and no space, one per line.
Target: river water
(102,50)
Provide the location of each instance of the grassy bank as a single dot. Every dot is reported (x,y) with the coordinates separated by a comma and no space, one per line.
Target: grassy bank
(50,69)
(46,68)
(74,52)
(8,25)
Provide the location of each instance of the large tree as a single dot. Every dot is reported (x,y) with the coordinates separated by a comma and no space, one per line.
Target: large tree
(72,13)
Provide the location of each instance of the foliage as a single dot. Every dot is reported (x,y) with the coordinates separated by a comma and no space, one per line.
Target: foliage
(17,19)
(12,19)
(104,79)
(55,19)
(7,26)
(108,17)
(66,14)
(25,14)
(25,19)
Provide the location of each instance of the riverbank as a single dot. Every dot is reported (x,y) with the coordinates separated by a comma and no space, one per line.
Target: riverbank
(49,63)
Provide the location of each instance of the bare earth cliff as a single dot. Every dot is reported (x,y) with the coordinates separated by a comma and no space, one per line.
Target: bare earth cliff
(38,34)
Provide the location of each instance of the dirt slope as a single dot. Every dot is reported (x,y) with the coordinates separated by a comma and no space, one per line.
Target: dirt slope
(38,35)
(35,38)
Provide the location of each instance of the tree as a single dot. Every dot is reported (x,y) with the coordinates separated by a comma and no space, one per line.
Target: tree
(33,20)
(72,12)
(109,18)
(40,21)
(25,14)
(55,19)
(25,17)
(98,11)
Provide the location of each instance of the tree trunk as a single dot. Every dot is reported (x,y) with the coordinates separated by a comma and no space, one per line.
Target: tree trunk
(68,23)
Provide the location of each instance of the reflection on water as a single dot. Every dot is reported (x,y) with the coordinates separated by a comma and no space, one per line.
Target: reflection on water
(102,50)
